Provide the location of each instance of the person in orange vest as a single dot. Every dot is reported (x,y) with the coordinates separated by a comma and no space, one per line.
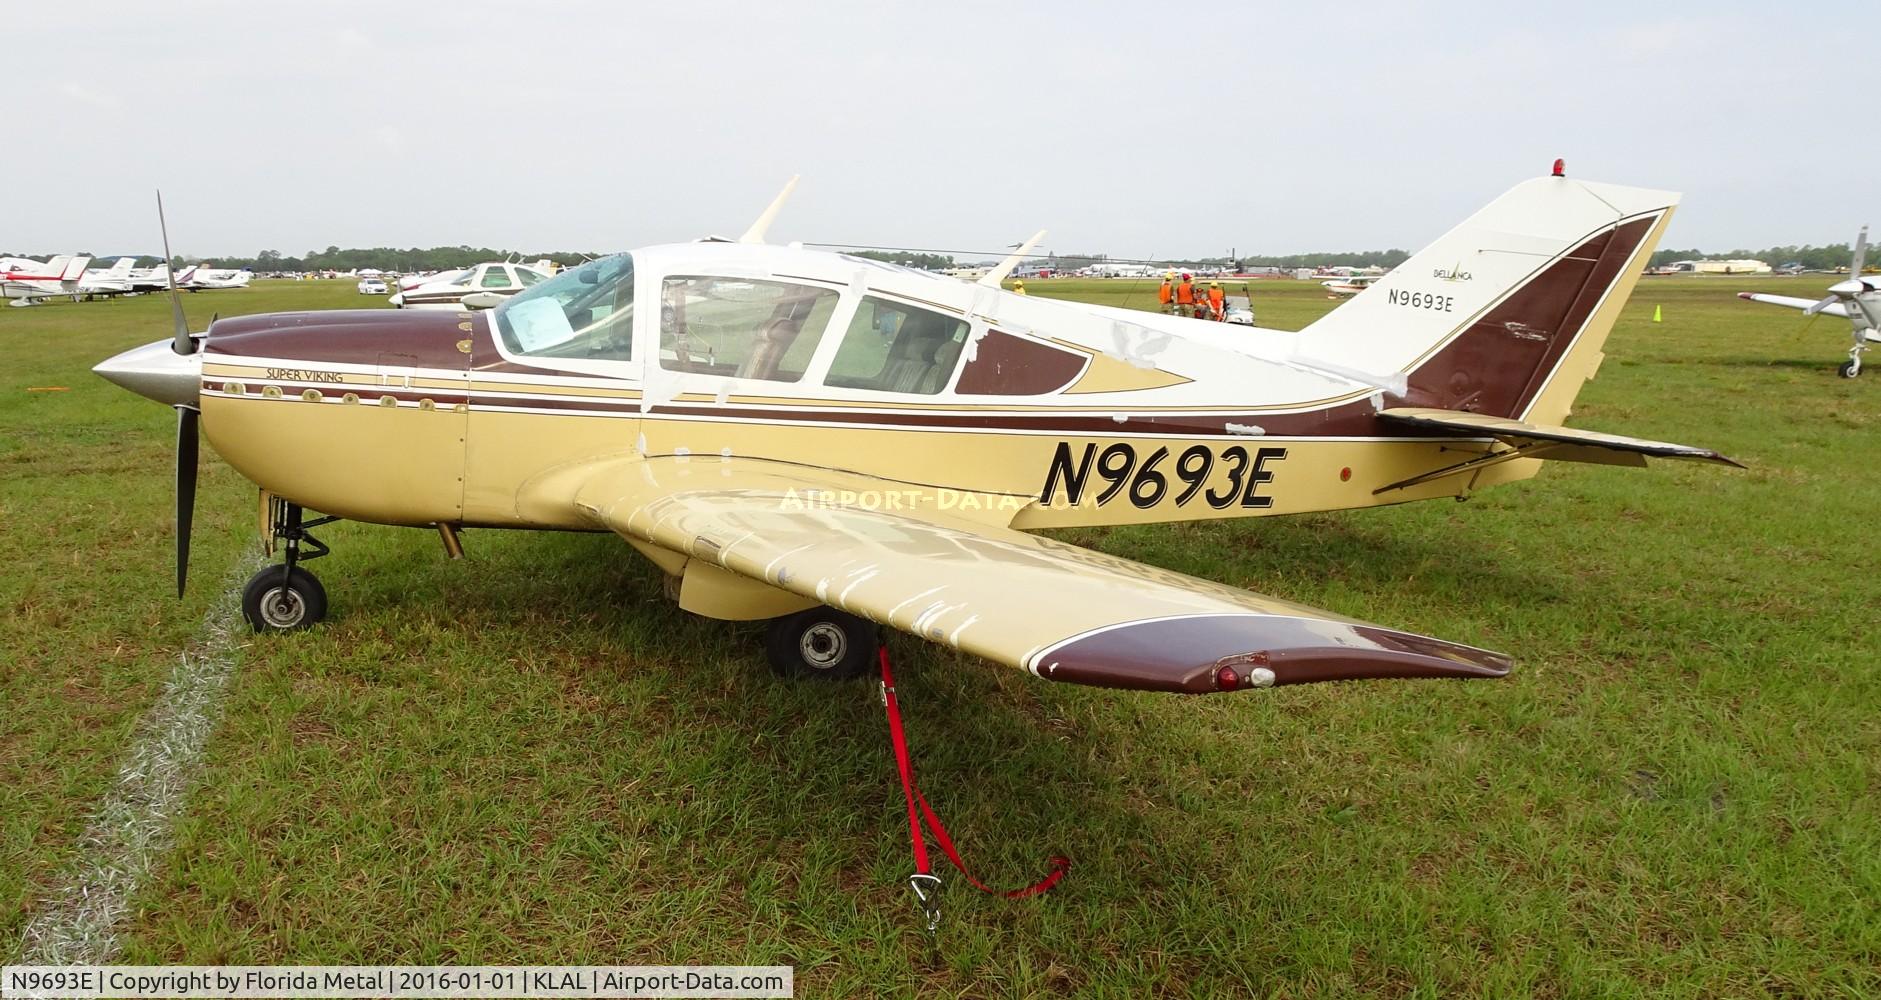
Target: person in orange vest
(1185,296)
(1167,295)
(1217,301)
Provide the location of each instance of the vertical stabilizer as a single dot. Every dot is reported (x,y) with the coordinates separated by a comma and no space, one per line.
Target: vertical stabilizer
(1506,314)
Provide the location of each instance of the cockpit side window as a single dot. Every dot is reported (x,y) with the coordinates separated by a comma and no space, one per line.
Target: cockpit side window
(495,277)
(890,347)
(582,314)
(741,328)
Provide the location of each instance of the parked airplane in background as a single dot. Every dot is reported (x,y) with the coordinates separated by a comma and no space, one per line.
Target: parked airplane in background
(1856,298)
(1349,285)
(447,290)
(31,281)
(156,279)
(1107,269)
(203,277)
(114,280)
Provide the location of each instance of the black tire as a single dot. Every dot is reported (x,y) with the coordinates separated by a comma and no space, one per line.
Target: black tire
(1849,369)
(823,643)
(271,608)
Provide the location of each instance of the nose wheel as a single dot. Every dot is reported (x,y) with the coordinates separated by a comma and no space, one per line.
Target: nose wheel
(1852,367)
(821,642)
(277,601)
(287,598)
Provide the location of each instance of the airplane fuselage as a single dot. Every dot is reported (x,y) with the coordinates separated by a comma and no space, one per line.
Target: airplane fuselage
(436,417)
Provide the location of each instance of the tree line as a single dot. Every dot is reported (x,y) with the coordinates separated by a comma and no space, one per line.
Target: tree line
(1813,258)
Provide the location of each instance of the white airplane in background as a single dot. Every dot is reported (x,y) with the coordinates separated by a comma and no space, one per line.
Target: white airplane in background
(114,280)
(448,289)
(1855,298)
(1351,285)
(201,277)
(1109,270)
(29,281)
(156,279)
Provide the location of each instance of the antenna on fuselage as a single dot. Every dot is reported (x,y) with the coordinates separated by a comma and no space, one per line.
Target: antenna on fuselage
(755,234)
(1005,267)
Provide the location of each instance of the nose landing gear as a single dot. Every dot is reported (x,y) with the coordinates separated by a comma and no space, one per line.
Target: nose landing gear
(285,598)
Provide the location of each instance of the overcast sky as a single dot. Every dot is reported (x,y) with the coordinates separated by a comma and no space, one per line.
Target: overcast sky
(1120,127)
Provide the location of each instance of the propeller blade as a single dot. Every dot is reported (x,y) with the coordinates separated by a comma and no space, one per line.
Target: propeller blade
(186,453)
(182,344)
(1861,254)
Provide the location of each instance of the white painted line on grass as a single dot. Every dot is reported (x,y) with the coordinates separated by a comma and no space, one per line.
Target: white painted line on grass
(129,830)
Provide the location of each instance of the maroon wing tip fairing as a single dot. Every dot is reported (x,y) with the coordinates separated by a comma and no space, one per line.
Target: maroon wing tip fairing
(1208,653)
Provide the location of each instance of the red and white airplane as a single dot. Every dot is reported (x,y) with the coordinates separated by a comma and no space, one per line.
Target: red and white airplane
(28,281)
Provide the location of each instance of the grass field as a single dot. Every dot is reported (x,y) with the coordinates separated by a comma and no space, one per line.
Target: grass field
(529,757)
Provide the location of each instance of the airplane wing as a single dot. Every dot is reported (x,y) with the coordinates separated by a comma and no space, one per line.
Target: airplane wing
(890,553)
(1566,444)
(1791,301)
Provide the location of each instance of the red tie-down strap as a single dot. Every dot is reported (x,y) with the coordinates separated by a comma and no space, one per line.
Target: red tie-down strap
(925,883)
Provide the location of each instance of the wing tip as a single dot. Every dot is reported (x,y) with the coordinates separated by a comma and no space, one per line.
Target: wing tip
(1210,653)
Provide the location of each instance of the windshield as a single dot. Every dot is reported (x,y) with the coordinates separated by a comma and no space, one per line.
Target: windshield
(583,313)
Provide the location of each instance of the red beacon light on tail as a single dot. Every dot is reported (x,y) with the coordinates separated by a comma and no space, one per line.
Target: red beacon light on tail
(1560,168)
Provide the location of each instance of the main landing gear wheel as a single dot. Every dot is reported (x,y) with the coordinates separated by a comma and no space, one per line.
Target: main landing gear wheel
(283,600)
(821,642)
(1849,369)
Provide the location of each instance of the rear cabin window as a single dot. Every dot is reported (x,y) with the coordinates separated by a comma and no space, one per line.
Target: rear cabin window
(527,276)
(741,328)
(890,347)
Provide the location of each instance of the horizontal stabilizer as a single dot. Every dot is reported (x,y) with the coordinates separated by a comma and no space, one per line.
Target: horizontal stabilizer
(1566,444)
